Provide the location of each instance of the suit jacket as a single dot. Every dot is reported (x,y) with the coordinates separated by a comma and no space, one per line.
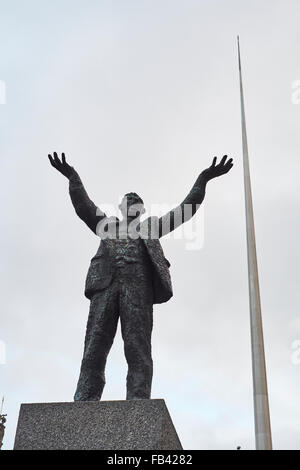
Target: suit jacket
(101,271)
(102,268)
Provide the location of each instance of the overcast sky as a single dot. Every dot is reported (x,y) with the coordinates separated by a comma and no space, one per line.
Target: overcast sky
(140,95)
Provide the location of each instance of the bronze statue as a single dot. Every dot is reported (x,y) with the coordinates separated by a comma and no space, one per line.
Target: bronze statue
(128,274)
(2,428)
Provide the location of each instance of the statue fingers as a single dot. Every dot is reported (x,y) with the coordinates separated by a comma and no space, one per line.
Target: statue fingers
(222,162)
(51,160)
(214,162)
(56,159)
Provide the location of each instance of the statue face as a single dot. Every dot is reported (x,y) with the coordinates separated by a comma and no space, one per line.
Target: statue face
(131,205)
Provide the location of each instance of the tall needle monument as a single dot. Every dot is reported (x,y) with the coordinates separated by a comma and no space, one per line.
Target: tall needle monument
(263,437)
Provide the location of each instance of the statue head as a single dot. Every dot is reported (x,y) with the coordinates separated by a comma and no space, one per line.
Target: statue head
(132,205)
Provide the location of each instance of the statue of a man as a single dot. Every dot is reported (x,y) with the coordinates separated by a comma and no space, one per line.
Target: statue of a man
(2,428)
(128,274)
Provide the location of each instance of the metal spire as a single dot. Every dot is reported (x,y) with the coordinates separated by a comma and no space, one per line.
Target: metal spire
(263,437)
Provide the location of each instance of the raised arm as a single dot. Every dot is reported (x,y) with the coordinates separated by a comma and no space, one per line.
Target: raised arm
(187,209)
(84,207)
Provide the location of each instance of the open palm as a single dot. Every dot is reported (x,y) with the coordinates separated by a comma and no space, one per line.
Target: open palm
(218,169)
(61,165)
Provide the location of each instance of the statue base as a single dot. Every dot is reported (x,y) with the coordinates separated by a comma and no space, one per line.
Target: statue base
(97,425)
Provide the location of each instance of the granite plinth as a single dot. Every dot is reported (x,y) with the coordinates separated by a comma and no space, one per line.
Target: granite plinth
(96,425)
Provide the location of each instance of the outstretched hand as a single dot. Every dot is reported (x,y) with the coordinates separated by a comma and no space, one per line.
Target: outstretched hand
(61,166)
(217,170)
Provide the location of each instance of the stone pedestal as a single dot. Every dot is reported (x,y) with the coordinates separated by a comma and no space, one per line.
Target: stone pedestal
(100,425)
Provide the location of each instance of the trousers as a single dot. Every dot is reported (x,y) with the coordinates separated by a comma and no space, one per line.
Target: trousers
(130,298)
